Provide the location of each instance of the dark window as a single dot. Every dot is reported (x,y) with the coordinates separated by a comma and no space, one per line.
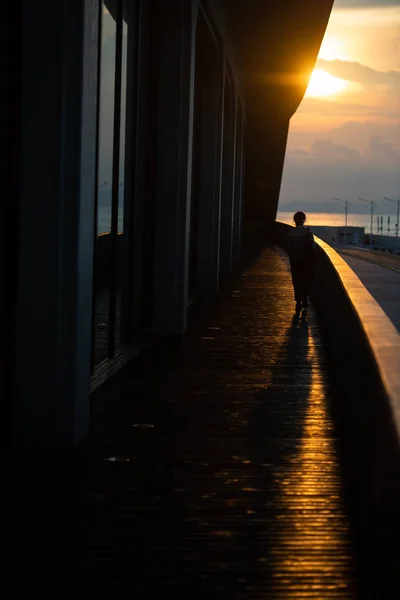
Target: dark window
(111,179)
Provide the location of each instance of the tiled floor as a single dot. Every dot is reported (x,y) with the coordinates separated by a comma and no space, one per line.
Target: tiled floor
(212,467)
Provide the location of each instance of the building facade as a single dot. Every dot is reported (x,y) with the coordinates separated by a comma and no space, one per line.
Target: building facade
(144,138)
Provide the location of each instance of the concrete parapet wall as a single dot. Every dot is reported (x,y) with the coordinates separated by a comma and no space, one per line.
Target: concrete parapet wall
(365,359)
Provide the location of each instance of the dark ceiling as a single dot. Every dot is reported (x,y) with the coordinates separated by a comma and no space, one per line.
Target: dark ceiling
(276,44)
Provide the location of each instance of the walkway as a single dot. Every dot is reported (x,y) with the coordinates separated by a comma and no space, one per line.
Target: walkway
(382,283)
(212,468)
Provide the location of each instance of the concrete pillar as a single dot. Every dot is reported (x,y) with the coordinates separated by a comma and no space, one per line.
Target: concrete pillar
(9,176)
(238,196)
(56,221)
(210,178)
(135,14)
(228,182)
(174,165)
(242,184)
(263,169)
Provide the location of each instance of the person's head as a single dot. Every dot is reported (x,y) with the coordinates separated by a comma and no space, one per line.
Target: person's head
(299,218)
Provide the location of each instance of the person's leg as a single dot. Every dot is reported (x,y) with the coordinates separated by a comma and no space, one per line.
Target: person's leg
(301,285)
(296,280)
(306,285)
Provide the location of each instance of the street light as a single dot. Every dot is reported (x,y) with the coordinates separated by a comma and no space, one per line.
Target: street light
(346,207)
(398,212)
(372,203)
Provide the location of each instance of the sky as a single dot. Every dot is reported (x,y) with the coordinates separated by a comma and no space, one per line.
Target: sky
(344,140)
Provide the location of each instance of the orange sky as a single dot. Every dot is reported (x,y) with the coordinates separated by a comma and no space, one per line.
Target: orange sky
(344,140)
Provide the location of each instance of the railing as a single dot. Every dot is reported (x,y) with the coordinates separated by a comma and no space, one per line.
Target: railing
(364,350)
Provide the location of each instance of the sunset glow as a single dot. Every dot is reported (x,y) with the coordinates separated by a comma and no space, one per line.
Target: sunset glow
(332,48)
(323,84)
(344,140)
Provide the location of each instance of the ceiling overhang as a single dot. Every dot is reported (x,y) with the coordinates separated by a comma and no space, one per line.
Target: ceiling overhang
(276,44)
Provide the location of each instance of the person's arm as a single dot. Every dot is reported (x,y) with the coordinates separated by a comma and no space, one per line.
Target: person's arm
(311,239)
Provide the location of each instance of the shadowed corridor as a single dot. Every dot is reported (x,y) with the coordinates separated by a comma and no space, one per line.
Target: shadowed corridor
(212,466)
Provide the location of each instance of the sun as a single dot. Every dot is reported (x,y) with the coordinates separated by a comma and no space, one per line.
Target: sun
(323,84)
(332,48)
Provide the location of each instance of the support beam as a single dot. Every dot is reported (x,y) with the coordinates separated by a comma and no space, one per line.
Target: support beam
(228,181)
(10,178)
(212,96)
(238,196)
(174,165)
(265,155)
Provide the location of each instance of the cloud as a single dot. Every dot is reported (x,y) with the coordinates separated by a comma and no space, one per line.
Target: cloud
(382,152)
(361,133)
(357,134)
(359,73)
(317,106)
(323,153)
(364,3)
(318,182)
(315,174)
(328,152)
(328,149)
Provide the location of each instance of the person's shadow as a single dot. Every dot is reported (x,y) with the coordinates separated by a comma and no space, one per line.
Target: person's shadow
(286,395)
(277,429)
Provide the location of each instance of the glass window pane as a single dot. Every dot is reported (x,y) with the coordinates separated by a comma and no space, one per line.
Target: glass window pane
(121,181)
(121,189)
(105,167)
(107,84)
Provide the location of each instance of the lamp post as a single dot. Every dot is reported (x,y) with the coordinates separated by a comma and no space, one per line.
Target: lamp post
(346,208)
(372,203)
(398,212)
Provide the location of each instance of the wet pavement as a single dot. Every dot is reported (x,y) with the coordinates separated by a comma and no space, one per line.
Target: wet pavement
(212,467)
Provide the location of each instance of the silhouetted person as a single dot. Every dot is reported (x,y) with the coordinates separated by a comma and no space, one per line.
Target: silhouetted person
(301,256)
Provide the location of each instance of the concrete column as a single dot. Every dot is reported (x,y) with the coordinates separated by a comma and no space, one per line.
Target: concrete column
(228,183)
(237,229)
(242,183)
(174,165)
(56,221)
(263,170)
(210,179)
(135,14)
(9,176)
